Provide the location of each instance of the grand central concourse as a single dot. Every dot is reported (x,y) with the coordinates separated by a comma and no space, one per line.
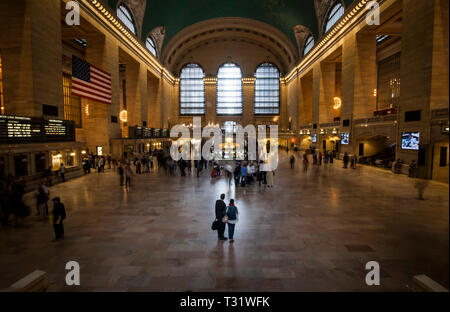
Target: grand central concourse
(91,89)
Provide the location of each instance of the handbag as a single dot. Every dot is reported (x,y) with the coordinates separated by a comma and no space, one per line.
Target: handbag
(225,218)
(215,225)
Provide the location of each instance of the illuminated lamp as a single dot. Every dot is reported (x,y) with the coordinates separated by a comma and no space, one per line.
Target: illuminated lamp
(123,116)
(337,103)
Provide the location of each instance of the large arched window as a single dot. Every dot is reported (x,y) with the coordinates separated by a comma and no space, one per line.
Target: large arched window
(192,90)
(229,90)
(309,44)
(124,14)
(335,14)
(151,46)
(267,90)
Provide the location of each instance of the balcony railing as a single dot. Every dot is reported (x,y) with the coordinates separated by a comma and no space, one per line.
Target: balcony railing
(380,119)
(22,130)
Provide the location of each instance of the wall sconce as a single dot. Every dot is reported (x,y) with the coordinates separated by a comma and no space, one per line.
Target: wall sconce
(337,103)
(123,116)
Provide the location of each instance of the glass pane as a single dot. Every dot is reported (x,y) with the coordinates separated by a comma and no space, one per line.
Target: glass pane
(125,17)
(267,90)
(229,90)
(192,90)
(336,13)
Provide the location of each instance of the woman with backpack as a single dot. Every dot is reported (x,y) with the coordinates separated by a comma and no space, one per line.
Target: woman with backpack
(233,218)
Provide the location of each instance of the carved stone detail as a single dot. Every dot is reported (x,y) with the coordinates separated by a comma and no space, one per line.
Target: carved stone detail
(158,34)
(322,9)
(301,34)
(137,8)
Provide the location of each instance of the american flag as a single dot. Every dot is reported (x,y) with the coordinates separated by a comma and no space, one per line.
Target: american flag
(90,82)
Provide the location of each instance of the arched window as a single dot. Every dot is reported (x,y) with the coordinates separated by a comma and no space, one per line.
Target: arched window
(335,14)
(229,90)
(192,90)
(309,44)
(150,44)
(124,14)
(267,90)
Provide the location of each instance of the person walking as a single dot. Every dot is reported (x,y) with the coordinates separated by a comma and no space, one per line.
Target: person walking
(270,175)
(62,171)
(233,218)
(292,160)
(346,160)
(354,161)
(57,217)
(128,176)
(42,197)
(305,162)
(121,174)
(221,210)
(244,175)
(320,158)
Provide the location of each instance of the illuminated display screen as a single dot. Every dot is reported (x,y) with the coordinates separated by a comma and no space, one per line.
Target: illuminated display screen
(410,141)
(345,138)
(17,129)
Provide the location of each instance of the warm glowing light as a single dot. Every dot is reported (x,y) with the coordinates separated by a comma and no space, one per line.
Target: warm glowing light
(123,116)
(337,103)
(375,92)
(72,154)
(86,109)
(83,152)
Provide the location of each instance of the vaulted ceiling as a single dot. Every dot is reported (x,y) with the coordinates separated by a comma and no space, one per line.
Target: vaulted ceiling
(175,15)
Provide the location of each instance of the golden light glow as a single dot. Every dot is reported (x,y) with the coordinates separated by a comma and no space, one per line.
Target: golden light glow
(375,92)
(123,116)
(337,103)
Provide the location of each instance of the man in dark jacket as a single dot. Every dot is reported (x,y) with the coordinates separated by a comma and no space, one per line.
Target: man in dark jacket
(57,217)
(221,210)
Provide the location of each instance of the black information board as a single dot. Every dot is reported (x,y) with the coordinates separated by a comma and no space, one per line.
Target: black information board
(147,133)
(19,129)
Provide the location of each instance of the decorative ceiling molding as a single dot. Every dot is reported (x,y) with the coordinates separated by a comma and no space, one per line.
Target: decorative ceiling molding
(137,8)
(301,34)
(231,28)
(158,35)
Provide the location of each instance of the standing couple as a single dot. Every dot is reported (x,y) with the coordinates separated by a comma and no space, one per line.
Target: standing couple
(226,215)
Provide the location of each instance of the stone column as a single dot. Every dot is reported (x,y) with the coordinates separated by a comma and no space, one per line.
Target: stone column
(316,98)
(327,91)
(153,100)
(424,80)
(359,79)
(102,52)
(248,99)
(306,100)
(210,100)
(31,51)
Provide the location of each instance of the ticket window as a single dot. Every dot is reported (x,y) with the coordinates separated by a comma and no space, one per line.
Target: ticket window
(56,159)
(40,162)
(71,159)
(21,165)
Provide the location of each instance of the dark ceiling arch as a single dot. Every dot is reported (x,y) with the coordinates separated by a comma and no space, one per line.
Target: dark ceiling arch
(175,15)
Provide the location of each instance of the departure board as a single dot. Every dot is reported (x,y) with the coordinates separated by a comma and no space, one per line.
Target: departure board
(18,129)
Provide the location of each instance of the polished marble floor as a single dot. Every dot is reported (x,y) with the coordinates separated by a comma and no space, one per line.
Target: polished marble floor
(311,232)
